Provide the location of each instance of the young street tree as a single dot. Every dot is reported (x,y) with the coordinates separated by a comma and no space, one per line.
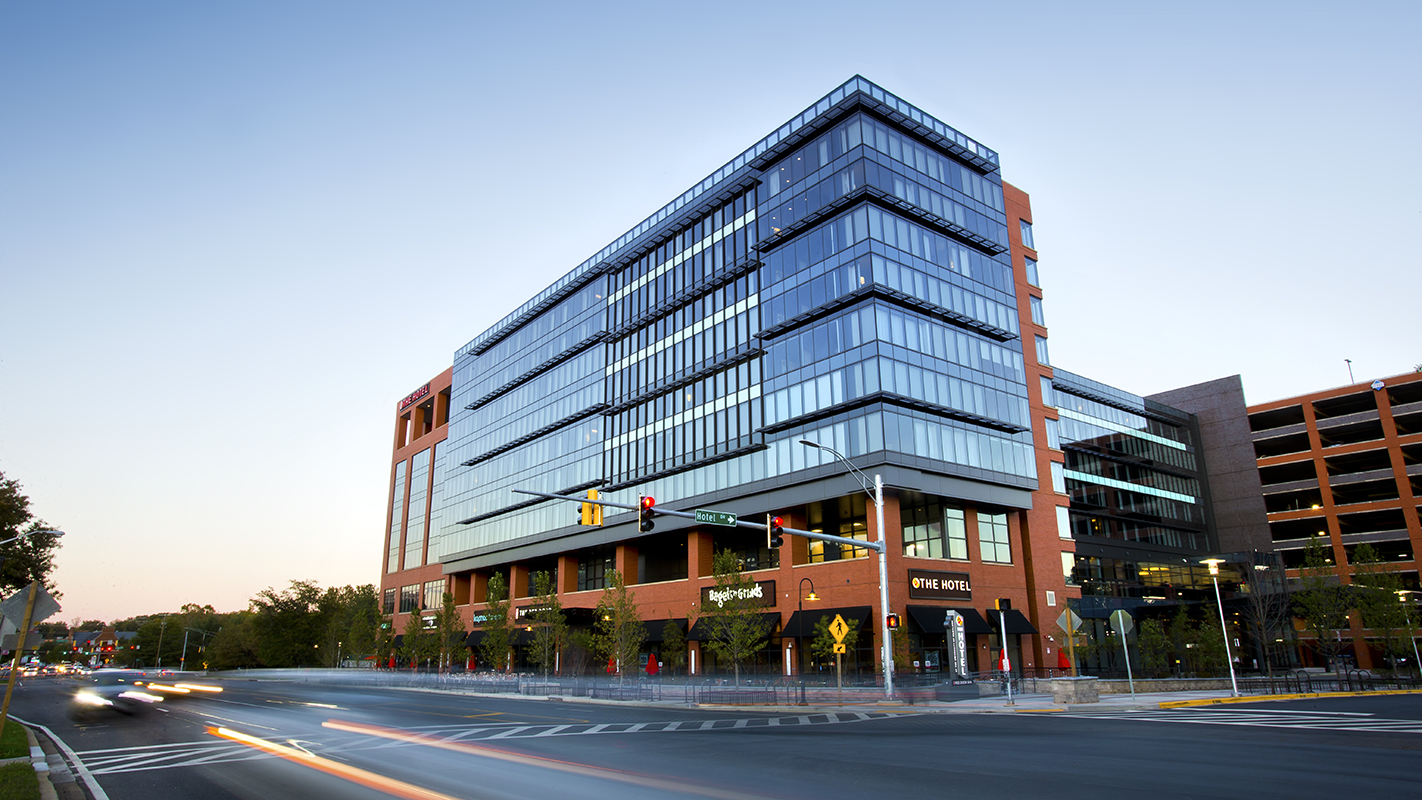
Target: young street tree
(498,628)
(673,646)
(419,644)
(619,628)
(1376,597)
(550,630)
(1320,600)
(449,630)
(733,614)
(1267,609)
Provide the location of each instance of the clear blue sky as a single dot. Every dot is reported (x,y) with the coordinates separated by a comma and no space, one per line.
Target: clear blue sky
(233,235)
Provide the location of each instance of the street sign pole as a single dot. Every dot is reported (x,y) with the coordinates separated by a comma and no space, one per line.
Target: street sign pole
(1123,624)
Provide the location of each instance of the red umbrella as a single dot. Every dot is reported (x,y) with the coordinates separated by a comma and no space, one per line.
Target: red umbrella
(611,666)
(1062,661)
(652,664)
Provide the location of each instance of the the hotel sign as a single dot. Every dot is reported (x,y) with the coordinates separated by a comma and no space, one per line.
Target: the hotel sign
(926,585)
(415,397)
(761,594)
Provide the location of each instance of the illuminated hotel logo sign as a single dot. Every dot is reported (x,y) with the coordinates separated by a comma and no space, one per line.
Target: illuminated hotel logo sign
(415,397)
(926,585)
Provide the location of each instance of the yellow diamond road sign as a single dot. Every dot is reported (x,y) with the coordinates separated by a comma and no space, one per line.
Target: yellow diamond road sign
(839,628)
(840,648)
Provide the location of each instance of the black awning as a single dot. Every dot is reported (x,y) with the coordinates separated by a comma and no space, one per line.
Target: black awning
(654,627)
(932,618)
(474,638)
(1016,623)
(700,632)
(802,623)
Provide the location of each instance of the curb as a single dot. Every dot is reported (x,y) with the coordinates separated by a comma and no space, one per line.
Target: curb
(41,765)
(1263,698)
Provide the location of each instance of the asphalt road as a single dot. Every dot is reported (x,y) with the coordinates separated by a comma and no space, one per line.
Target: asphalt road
(331,742)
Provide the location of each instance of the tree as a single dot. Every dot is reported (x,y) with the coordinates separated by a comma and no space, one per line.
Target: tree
(733,618)
(235,645)
(290,624)
(1320,600)
(449,631)
(1155,649)
(1376,597)
(550,629)
(419,644)
(28,559)
(498,631)
(673,646)
(1267,612)
(353,628)
(619,628)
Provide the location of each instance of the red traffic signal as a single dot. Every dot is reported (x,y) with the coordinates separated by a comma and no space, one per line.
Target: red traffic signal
(774,535)
(645,513)
(893,621)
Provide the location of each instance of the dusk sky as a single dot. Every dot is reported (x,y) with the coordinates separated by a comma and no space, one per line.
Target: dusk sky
(234,235)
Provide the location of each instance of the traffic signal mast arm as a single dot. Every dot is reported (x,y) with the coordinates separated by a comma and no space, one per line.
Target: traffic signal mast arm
(877,547)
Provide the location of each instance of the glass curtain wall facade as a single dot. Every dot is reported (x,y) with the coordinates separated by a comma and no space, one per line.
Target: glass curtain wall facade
(844,280)
(1133,473)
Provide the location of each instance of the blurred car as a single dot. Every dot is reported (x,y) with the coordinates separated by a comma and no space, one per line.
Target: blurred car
(109,691)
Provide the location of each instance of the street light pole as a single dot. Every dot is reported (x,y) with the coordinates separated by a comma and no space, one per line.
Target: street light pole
(800,631)
(1411,631)
(1229,660)
(882,547)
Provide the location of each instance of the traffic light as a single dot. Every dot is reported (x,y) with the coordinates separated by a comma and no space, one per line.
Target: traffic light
(645,513)
(893,621)
(774,535)
(590,513)
(1003,604)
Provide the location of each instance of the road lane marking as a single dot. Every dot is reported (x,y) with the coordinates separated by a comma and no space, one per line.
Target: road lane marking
(356,775)
(675,786)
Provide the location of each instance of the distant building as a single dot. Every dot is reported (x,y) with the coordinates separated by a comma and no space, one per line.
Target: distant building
(1345,464)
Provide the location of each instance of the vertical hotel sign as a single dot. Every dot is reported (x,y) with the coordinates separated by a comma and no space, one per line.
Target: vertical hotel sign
(415,397)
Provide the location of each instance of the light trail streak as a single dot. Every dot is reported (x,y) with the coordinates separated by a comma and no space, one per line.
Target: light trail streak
(355,775)
(649,781)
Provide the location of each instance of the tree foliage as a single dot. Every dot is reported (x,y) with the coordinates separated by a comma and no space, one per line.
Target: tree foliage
(733,617)
(420,644)
(449,632)
(498,628)
(673,646)
(1267,609)
(550,629)
(28,559)
(619,632)
(1320,599)
(1376,597)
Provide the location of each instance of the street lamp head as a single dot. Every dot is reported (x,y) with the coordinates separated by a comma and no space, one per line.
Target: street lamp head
(809,443)
(1214,564)
(812,595)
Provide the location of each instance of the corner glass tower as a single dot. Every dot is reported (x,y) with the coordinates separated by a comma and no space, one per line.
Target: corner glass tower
(845,280)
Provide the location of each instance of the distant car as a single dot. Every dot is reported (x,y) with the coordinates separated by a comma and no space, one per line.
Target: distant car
(112,691)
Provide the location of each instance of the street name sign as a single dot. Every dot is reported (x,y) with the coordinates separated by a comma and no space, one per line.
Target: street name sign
(715,517)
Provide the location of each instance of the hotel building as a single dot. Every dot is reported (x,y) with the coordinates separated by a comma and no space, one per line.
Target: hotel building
(861,278)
